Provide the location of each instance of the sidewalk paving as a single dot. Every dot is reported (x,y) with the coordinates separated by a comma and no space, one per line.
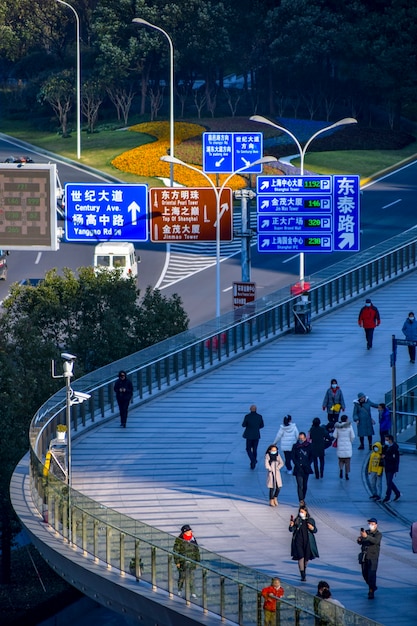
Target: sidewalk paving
(182,459)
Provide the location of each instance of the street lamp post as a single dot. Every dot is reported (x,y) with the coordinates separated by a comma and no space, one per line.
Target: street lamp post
(78,89)
(71,397)
(302,151)
(139,20)
(218,192)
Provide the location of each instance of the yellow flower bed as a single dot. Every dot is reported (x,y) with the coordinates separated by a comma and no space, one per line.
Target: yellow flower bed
(145,160)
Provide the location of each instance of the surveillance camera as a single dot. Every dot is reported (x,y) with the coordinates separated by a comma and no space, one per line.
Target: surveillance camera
(77,397)
(67,356)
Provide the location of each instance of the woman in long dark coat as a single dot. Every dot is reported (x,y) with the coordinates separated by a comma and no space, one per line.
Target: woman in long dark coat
(303,542)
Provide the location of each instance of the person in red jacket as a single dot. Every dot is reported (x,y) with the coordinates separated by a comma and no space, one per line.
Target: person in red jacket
(369,319)
(271,594)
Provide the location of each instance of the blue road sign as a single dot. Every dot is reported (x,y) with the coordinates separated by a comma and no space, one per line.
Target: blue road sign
(100,212)
(224,153)
(294,223)
(294,243)
(293,184)
(308,213)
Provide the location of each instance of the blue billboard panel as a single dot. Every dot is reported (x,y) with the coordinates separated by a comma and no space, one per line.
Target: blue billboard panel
(224,153)
(100,212)
(294,243)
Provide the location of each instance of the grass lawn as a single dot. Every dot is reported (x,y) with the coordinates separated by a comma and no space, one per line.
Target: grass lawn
(98,149)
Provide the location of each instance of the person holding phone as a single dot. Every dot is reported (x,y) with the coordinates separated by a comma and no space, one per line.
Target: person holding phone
(370,542)
(303,542)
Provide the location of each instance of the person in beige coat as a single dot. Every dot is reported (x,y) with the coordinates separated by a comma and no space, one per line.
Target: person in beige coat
(273,464)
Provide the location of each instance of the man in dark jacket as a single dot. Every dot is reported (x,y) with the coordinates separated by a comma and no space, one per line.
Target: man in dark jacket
(123,389)
(302,457)
(369,318)
(370,542)
(252,423)
(391,456)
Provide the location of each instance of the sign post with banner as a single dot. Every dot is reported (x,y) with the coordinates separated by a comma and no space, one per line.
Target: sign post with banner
(243,293)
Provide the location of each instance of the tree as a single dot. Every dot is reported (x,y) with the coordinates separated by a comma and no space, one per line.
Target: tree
(92,95)
(58,90)
(98,317)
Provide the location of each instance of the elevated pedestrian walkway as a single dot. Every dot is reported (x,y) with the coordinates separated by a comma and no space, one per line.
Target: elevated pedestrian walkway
(182,459)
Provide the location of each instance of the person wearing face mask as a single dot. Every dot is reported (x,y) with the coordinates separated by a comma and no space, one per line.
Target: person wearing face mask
(303,542)
(369,319)
(370,542)
(375,471)
(410,333)
(302,457)
(273,464)
(333,402)
(391,456)
(363,418)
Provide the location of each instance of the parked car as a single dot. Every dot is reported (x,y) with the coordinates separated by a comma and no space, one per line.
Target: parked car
(18,159)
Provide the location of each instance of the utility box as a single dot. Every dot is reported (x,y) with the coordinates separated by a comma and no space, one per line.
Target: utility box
(302,316)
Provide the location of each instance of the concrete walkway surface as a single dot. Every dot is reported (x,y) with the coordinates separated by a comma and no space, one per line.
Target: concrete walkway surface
(182,459)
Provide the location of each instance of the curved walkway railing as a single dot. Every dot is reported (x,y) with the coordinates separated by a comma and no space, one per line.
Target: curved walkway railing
(225,588)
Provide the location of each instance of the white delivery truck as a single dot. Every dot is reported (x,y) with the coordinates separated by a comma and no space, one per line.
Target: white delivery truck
(118,255)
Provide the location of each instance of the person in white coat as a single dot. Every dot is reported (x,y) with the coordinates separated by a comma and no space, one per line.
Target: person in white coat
(344,435)
(273,465)
(287,436)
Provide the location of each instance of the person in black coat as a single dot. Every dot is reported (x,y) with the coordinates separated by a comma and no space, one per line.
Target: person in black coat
(370,542)
(302,458)
(123,389)
(303,542)
(252,423)
(320,439)
(391,457)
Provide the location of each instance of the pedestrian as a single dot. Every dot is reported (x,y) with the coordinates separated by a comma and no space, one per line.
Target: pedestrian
(123,389)
(410,333)
(302,458)
(273,464)
(252,423)
(287,436)
(187,555)
(384,418)
(330,610)
(271,595)
(369,319)
(344,436)
(370,542)
(391,456)
(333,402)
(375,471)
(363,418)
(303,542)
(319,439)
(321,586)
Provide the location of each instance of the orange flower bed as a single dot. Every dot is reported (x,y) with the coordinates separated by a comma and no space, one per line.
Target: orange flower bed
(145,160)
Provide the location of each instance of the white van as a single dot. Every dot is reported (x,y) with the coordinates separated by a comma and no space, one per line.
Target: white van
(116,255)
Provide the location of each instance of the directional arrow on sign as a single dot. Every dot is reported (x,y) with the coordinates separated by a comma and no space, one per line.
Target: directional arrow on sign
(265,204)
(265,185)
(224,208)
(347,239)
(134,209)
(219,162)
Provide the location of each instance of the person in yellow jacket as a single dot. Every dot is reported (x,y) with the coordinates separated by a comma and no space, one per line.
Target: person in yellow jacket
(375,471)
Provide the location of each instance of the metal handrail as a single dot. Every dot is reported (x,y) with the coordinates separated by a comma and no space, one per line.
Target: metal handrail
(180,358)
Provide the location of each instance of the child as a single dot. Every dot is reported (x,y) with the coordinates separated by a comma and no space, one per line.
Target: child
(375,470)
(271,594)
